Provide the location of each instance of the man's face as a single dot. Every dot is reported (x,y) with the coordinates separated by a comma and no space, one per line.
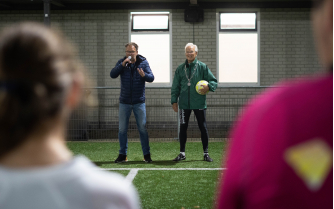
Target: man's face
(191,54)
(131,51)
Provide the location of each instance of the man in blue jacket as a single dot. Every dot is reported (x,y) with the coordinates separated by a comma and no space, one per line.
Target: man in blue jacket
(134,71)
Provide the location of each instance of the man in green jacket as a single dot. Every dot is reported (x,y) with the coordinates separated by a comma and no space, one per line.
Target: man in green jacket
(184,88)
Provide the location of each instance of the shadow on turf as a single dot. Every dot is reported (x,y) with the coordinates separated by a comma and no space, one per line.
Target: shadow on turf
(155,162)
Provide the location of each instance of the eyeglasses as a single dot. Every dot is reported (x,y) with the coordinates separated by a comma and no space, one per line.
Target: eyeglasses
(190,52)
(130,52)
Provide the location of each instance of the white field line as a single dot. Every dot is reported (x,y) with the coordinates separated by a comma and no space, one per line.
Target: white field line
(162,169)
(133,171)
(132,174)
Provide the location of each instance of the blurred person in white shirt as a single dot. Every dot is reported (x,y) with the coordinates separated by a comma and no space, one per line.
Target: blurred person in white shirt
(40,83)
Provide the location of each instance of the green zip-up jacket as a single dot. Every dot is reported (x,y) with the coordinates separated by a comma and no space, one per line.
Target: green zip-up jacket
(188,96)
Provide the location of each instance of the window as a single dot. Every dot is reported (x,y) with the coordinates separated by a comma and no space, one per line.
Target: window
(151,31)
(237,21)
(238,48)
(150,22)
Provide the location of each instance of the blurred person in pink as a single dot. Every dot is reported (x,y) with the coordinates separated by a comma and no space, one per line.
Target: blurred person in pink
(40,83)
(281,150)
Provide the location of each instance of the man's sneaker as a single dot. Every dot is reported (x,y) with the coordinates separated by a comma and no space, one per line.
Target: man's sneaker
(180,157)
(121,158)
(207,158)
(147,158)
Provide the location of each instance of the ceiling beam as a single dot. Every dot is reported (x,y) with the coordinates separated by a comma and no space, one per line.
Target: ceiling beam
(162,5)
(5,6)
(57,3)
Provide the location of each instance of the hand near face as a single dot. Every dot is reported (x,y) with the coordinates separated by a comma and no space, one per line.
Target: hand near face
(204,90)
(125,61)
(141,72)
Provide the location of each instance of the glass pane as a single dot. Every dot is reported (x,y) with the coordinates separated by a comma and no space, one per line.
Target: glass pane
(147,13)
(237,20)
(150,22)
(155,47)
(238,60)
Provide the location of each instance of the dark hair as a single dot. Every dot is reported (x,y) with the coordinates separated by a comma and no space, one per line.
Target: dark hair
(132,44)
(36,68)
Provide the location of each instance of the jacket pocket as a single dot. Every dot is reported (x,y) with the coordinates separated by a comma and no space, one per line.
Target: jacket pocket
(183,100)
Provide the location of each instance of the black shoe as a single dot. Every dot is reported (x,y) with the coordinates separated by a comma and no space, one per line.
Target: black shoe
(147,158)
(180,157)
(207,158)
(121,158)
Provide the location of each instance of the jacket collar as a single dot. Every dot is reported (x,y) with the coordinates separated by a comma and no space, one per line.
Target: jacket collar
(191,64)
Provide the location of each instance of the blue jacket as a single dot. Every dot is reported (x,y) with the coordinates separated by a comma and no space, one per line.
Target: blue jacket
(132,84)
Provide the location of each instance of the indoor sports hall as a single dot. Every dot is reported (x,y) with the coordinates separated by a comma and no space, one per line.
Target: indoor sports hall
(250,46)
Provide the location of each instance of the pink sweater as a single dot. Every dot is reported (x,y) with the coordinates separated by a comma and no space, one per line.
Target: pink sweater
(280,155)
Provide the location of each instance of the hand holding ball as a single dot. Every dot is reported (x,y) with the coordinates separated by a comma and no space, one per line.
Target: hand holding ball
(199,86)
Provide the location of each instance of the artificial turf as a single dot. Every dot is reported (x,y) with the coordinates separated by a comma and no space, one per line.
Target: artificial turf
(103,154)
(122,172)
(177,189)
(163,188)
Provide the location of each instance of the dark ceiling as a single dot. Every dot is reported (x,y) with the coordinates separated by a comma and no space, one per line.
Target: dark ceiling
(148,4)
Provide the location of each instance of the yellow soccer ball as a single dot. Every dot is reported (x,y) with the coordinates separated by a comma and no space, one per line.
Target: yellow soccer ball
(198,86)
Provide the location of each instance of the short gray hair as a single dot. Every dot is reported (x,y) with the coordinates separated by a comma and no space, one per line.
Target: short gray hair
(191,44)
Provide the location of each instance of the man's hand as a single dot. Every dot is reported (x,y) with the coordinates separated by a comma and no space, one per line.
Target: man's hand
(204,90)
(175,107)
(125,61)
(141,72)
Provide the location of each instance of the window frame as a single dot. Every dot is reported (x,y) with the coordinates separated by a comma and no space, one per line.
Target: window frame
(156,31)
(134,30)
(238,31)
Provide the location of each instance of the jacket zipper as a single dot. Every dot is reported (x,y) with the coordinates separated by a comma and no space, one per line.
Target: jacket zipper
(189,88)
(131,84)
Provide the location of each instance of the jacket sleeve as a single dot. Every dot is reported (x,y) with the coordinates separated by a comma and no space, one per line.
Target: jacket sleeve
(211,79)
(176,87)
(149,77)
(117,70)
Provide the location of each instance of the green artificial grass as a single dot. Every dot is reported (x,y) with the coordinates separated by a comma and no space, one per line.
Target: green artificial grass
(180,189)
(122,172)
(177,189)
(103,154)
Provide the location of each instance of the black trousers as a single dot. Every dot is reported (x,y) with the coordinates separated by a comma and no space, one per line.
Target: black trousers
(201,120)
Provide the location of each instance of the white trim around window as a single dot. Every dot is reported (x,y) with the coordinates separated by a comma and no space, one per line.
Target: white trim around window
(233,37)
(153,35)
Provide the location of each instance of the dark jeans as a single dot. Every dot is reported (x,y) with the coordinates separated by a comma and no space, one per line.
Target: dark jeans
(201,120)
